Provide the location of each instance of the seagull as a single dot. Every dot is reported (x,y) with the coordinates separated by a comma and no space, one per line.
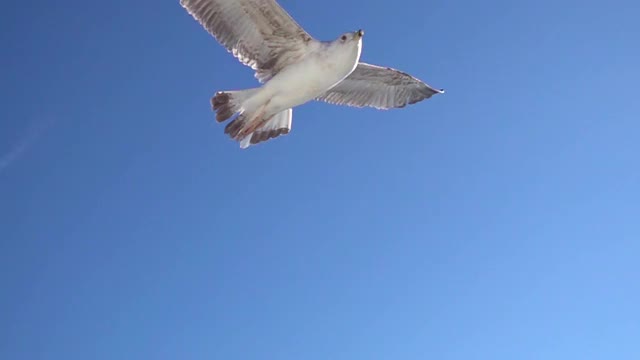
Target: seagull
(293,69)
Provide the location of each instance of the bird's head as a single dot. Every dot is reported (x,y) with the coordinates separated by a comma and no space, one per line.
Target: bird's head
(349,43)
(350,37)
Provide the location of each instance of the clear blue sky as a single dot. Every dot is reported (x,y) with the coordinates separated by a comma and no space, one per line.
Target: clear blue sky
(498,221)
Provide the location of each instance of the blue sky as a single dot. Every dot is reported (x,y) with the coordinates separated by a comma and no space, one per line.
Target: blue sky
(497,221)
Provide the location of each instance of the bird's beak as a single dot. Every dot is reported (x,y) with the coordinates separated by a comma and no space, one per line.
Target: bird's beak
(360,33)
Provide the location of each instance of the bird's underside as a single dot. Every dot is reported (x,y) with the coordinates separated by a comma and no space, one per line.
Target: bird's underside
(261,35)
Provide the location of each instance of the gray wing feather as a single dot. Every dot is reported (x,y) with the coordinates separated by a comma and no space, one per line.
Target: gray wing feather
(258,32)
(378,87)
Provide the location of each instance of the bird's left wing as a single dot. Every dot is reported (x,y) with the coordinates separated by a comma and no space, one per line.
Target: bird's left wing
(378,87)
(259,33)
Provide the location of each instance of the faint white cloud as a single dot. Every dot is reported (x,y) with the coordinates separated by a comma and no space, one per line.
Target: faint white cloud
(24,144)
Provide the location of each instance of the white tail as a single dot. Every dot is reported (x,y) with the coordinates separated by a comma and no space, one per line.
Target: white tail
(278,124)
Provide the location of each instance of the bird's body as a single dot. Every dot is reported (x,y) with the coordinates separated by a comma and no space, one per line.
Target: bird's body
(294,69)
(324,66)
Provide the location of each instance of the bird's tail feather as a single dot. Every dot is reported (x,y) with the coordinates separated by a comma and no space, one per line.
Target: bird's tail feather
(228,103)
(276,125)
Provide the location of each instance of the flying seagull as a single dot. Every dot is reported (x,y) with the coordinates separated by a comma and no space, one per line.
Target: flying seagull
(294,68)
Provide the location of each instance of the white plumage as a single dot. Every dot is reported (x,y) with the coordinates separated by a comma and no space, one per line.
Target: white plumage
(294,68)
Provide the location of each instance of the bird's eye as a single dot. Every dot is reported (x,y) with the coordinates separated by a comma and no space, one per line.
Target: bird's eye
(344,37)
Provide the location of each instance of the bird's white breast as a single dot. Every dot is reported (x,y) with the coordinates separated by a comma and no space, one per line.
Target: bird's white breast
(306,80)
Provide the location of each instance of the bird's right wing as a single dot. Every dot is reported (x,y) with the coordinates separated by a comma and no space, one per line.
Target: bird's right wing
(259,33)
(378,87)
